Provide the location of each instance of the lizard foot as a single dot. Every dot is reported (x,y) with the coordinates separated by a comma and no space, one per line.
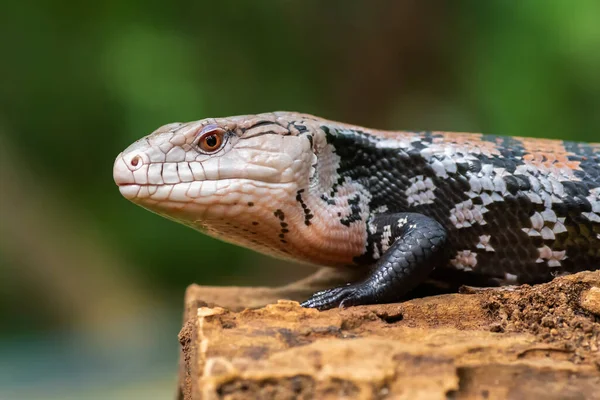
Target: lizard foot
(343,296)
(418,246)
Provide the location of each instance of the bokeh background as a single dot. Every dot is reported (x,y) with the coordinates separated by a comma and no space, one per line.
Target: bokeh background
(91,286)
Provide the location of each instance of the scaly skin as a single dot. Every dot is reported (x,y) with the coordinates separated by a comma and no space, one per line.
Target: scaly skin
(406,204)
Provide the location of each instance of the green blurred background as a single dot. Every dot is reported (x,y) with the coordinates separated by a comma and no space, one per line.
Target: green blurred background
(91,286)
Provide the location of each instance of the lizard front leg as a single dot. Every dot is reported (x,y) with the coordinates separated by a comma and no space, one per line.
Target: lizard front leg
(413,246)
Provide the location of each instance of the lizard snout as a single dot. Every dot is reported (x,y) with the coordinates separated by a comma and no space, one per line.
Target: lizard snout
(129,171)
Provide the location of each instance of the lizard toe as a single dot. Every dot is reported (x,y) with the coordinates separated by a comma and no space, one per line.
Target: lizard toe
(343,296)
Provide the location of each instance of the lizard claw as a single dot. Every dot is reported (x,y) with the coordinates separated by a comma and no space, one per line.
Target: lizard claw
(343,296)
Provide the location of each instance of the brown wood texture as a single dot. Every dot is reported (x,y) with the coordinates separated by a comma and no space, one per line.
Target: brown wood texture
(520,343)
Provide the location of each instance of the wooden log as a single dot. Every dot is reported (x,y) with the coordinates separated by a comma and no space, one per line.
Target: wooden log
(526,342)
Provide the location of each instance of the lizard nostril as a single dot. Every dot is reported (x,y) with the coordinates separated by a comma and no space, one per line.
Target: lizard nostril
(135,161)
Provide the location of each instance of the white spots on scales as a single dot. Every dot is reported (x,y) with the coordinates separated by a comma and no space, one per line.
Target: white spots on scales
(381,209)
(420,191)
(484,243)
(464,260)
(402,221)
(593,217)
(594,199)
(553,258)
(487,187)
(466,214)
(347,193)
(511,279)
(393,144)
(385,238)
(545,224)
(371,226)
(373,230)
(376,253)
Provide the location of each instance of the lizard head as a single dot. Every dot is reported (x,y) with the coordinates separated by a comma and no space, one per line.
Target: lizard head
(238,179)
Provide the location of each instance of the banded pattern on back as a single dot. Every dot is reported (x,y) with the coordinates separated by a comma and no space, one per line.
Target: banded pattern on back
(518,209)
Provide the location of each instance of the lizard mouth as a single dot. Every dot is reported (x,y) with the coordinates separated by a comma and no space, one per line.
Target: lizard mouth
(202,193)
(130,190)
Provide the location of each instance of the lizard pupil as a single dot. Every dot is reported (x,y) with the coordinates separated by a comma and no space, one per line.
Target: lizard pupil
(211,141)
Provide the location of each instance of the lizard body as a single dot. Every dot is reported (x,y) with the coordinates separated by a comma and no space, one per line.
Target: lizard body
(407,205)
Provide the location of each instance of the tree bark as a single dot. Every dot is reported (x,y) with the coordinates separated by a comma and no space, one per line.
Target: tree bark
(521,342)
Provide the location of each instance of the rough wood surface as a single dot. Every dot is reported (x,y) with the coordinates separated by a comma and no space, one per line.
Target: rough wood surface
(523,343)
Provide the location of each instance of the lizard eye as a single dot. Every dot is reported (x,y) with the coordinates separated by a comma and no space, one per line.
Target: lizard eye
(211,139)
